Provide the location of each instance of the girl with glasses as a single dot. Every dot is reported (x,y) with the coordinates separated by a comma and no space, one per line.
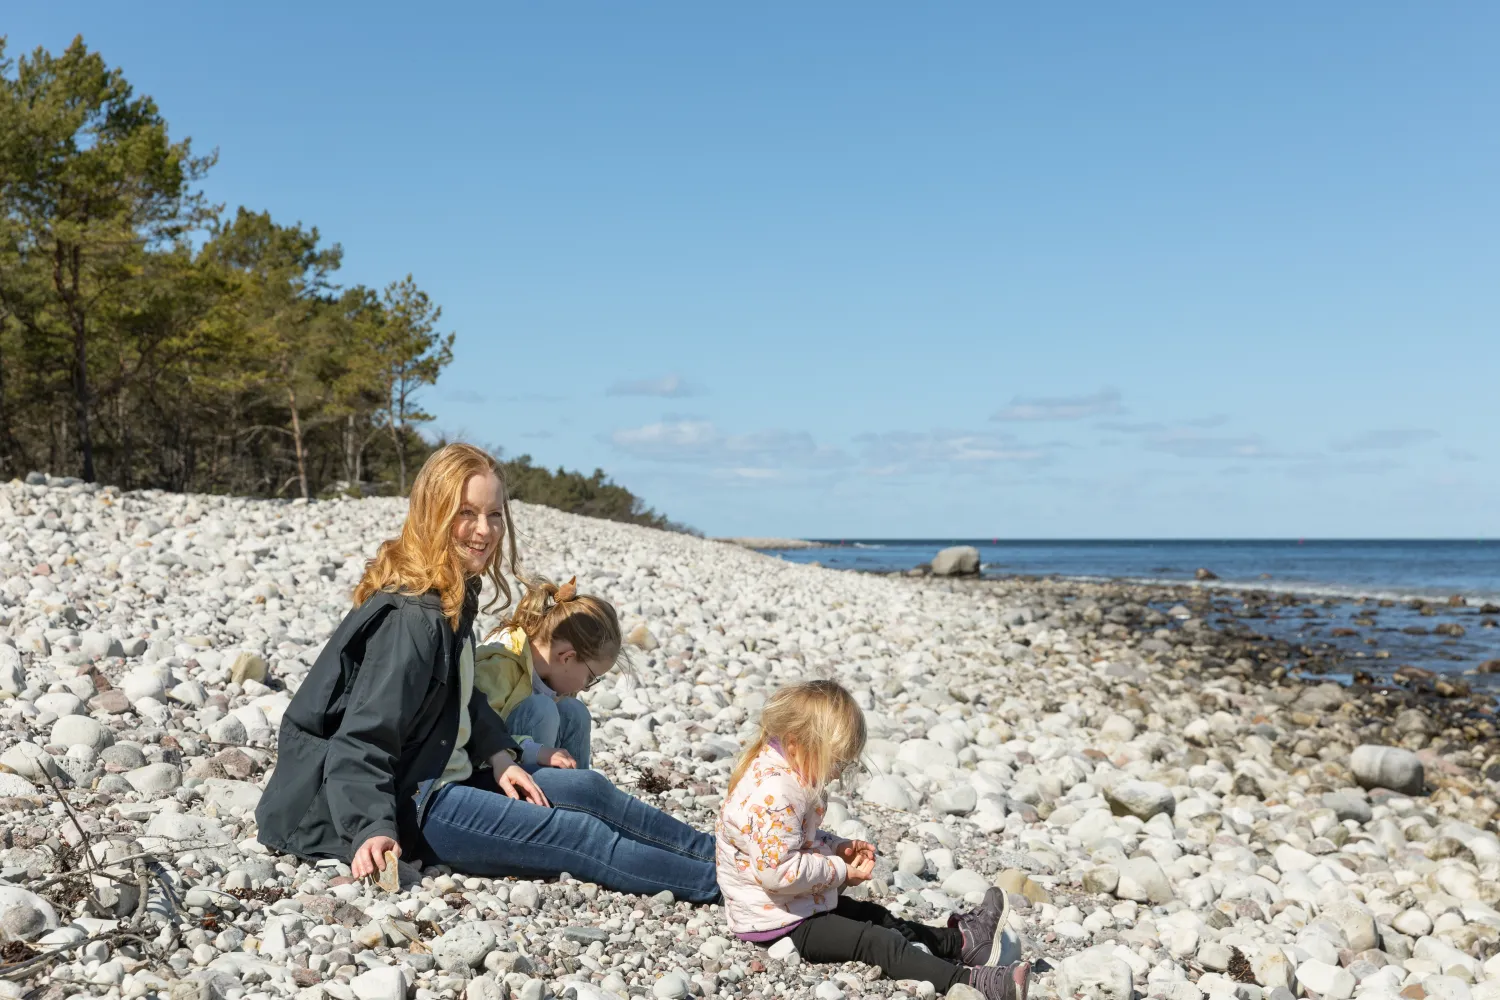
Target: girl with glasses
(558,643)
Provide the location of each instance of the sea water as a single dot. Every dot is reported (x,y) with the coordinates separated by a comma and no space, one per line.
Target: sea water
(1335,572)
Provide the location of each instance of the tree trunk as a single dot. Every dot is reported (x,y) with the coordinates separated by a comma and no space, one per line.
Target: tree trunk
(80,354)
(399,441)
(291,395)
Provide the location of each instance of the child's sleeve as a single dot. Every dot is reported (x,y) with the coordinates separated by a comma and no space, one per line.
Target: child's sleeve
(778,861)
(828,843)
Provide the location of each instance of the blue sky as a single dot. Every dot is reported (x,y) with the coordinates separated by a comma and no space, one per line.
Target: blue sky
(1172,270)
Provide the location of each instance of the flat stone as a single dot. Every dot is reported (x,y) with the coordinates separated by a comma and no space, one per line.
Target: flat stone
(155,779)
(672,986)
(957,800)
(14,784)
(1096,973)
(889,791)
(469,942)
(379,984)
(1142,880)
(1328,981)
(1140,798)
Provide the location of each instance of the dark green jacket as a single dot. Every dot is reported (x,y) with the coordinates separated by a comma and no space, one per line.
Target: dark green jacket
(372,728)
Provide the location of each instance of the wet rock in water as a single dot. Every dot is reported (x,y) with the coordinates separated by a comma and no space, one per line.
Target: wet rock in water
(957,560)
(1377,766)
(1202,573)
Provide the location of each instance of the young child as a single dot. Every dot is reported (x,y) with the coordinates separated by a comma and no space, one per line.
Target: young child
(559,642)
(781,875)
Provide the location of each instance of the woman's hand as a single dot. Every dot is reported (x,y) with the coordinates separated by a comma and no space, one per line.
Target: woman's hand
(554,757)
(860,870)
(852,850)
(371,856)
(515,782)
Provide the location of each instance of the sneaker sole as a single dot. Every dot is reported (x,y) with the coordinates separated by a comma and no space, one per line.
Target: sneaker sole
(997,946)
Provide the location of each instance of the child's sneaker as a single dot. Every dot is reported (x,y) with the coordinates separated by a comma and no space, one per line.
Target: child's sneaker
(983,928)
(1004,982)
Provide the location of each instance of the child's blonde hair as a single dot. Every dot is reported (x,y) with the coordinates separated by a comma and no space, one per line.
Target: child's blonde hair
(589,624)
(820,727)
(423,557)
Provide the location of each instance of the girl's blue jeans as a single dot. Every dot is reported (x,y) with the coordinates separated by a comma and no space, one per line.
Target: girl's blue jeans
(593,831)
(564,723)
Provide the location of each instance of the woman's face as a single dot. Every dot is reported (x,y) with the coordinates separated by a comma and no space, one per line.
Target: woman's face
(480,523)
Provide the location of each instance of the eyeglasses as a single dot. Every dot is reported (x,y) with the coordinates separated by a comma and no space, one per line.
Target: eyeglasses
(593,677)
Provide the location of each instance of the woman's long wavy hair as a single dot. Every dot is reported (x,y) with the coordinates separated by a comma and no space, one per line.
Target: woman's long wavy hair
(819,726)
(423,557)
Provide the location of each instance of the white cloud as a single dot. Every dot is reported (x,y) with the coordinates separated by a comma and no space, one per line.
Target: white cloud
(1389,439)
(892,451)
(668,386)
(1190,444)
(1104,403)
(750,455)
(670,440)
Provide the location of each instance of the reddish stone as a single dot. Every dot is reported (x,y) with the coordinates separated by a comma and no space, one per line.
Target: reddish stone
(111,702)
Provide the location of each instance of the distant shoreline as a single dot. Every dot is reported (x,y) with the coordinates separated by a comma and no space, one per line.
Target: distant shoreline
(783,544)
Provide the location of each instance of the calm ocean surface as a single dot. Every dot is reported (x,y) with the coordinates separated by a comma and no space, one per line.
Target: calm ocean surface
(1395,569)
(1335,571)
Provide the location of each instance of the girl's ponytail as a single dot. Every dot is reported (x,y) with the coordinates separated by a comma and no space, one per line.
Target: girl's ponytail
(547,612)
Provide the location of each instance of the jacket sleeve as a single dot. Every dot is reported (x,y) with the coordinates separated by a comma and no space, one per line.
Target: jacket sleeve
(393,678)
(828,843)
(778,861)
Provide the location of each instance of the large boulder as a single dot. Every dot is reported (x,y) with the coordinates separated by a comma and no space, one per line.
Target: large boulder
(1377,766)
(959,560)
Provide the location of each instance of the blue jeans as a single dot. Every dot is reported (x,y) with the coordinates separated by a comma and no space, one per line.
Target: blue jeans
(564,723)
(593,831)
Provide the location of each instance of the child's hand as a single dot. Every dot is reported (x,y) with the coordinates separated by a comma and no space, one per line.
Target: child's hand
(852,850)
(553,757)
(860,870)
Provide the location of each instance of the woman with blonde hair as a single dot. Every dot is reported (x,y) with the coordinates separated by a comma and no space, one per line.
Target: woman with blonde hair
(781,875)
(389,748)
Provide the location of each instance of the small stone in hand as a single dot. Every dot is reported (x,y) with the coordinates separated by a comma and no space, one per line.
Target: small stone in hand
(389,878)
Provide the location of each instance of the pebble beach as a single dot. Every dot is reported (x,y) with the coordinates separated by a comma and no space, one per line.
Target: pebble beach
(1174,813)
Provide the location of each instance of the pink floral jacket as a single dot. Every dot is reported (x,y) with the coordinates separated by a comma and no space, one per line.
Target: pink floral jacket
(775,866)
